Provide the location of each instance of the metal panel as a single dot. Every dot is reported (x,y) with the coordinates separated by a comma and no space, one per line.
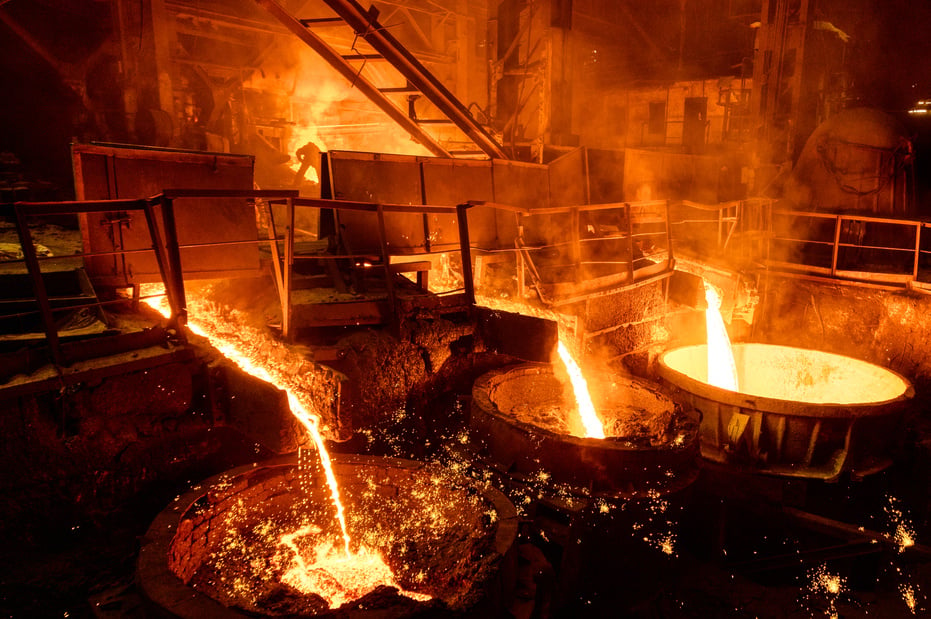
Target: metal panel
(525,185)
(383,179)
(450,182)
(568,179)
(605,175)
(652,175)
(104,172)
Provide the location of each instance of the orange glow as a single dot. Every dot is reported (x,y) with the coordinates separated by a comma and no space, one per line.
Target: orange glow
(823,583)
(336,575)
(590,421)
(722,371)
(909,597)
(904,535)
(312,423)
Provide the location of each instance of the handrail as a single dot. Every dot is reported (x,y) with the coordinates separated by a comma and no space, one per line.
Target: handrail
(286,268)
(905,274)
(575,242)
(167,252)
(23,210)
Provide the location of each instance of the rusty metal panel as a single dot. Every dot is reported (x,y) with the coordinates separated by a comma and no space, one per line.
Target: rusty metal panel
(525,185)
(605,175)
(383,179)
(650,175)
(526,337)
(450,182)
(106,172)
(568,179)
(528,186)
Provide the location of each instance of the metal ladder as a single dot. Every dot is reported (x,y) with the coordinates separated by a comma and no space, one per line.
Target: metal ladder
(420,81)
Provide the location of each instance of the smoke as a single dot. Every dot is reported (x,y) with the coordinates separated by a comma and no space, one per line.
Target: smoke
(327,110)
(298,99)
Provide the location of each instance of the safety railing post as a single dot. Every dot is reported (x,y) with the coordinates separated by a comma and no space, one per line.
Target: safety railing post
(630,241)
(38,286)
(288,275)
(918,226)
(174,257)
(836,248)
(163,262)
(575,237)
(465,249)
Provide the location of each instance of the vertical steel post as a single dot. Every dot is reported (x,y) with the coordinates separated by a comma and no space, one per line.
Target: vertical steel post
(386,258)
(288,279)
(837,227)
(174,257)
(630,242)
(38,285)
(277,268)
(576,240)
(465,249)
(161,259)
(917,250)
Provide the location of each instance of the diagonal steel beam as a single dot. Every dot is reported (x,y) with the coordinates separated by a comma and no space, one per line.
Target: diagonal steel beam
(366,25)
(335,60)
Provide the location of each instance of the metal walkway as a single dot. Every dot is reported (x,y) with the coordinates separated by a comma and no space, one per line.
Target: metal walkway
(420,81)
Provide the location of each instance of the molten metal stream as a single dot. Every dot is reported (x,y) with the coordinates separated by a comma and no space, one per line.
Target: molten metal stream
(590,421)
(309,420)
(722,371)
(312,423)
(338,577)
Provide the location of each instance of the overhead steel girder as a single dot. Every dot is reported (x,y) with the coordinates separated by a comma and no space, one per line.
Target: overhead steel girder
(334,59)
(366,25)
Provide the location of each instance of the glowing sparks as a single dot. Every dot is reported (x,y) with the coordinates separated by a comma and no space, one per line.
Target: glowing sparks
(722,371)
(337,575)
(590,421)
(904,535)
(831,586)
(308,419)
(909,597)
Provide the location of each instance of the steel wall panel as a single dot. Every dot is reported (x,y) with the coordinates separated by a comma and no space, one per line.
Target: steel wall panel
(382,179)
(568,185)
(605,175)
(105,172)
(650,175)
(524,185)
(449,182)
